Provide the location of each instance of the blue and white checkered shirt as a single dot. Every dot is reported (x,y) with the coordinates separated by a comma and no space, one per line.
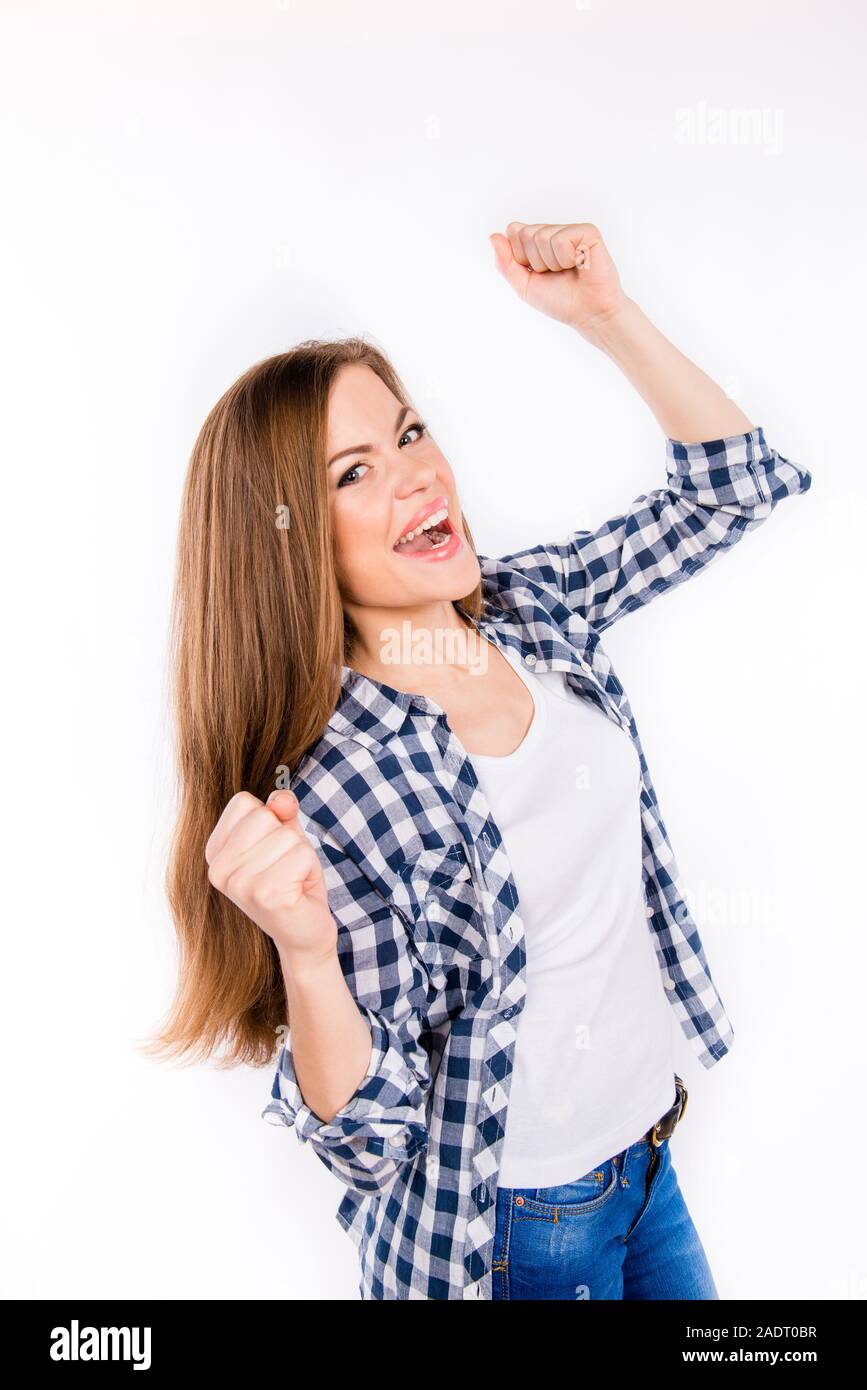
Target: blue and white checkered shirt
(430,937)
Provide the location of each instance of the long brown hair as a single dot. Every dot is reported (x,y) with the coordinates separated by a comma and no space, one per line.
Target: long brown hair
(258,636)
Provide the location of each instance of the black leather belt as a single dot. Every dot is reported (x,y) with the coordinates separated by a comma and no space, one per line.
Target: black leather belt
(664,1127)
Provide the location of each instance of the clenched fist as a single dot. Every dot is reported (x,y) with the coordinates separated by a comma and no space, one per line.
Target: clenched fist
(562,269)
(261,859)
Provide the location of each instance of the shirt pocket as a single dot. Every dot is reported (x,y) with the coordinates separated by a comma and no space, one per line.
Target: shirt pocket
(437,895)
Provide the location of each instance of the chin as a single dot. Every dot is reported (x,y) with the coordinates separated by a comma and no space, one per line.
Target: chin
(452,582)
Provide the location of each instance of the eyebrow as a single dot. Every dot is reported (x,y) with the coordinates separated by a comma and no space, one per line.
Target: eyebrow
(368,448)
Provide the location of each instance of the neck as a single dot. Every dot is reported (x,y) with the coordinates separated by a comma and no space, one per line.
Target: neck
(406,647)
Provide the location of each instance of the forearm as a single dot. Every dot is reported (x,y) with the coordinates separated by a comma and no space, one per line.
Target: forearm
(331,1041)
(688,405)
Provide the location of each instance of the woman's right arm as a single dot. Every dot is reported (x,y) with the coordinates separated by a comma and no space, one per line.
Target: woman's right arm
(356,1077)
(331,1042)
(260,858)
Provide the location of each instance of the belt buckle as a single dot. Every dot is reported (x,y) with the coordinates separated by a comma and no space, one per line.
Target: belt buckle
(682,1096)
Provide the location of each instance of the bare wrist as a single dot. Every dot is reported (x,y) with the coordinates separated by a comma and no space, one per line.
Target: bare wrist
(303,966)
(608,329)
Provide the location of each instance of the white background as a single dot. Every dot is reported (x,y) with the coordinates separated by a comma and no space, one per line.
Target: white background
(190,187)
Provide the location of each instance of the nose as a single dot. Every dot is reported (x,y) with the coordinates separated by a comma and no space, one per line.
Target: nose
(412,475)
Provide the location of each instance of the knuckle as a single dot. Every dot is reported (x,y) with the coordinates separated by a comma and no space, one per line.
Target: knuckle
(215,874)
(307,858)
(238,885)
(268,894)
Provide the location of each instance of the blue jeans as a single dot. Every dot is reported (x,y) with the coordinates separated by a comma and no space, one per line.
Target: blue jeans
(620,1231)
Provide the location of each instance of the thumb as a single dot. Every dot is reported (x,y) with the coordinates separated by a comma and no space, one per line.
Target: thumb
(502,249)
(512,270)
(283,803)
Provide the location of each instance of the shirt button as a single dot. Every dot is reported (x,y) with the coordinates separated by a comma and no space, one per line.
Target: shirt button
(507,1013)
(648,910)
(669,982)
(530,659)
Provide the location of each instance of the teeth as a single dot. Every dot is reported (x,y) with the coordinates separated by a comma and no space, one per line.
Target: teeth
(433,520)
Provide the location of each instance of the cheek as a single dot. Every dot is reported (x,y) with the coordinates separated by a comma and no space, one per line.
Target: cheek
(355,538)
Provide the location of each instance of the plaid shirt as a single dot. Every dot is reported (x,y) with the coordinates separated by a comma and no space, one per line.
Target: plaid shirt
(430,937)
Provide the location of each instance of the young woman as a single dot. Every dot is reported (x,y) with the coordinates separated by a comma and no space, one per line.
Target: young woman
(417,823)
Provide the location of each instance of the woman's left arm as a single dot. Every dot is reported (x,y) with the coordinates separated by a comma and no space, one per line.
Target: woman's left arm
(722,478)
(689,406)
(566,272)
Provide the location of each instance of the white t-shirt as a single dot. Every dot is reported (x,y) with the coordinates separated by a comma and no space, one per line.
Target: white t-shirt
(594,1054)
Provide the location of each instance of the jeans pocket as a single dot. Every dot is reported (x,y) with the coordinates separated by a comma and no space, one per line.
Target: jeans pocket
(577,1198)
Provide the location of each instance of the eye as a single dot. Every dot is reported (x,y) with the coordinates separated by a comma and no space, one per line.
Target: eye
(419,425)
(354,469)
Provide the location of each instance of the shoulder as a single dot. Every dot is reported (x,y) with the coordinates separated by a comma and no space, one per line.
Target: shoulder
(528,599)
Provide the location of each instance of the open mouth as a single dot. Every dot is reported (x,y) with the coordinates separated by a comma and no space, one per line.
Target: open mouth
(434,533)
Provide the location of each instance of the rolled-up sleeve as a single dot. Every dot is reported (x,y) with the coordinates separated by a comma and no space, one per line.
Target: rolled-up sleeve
(383,1125)
(715,492)
(380,1127)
